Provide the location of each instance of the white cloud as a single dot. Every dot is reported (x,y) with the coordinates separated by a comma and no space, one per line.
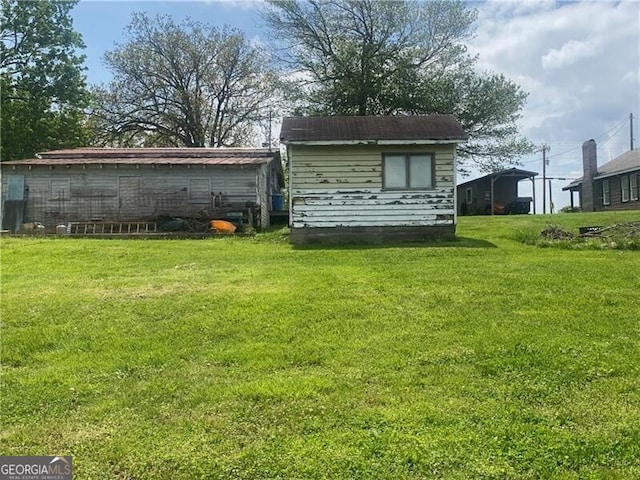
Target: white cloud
(580,63)
(569,53)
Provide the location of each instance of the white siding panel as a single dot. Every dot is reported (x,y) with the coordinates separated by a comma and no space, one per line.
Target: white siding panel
(377,208)
(359,166)
(373,207)
(342,186)
(357,222)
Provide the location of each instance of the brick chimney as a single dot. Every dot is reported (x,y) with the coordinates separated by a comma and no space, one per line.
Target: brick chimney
(590,169)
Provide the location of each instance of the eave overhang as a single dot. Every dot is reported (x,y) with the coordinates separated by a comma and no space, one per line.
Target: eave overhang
(373,142)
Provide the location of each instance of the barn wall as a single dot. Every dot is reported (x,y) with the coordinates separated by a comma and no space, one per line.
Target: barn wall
(335,186)
(129,193)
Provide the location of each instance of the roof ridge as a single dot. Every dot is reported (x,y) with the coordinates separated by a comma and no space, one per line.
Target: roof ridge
(154,153)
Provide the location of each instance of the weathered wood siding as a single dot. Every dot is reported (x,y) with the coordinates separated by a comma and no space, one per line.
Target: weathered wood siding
(335,186)
(615,194)
(505,191)
(130,193)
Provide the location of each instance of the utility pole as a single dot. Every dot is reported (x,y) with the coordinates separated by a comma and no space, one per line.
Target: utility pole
(551,206)
(269,130)
(545,148)
(631,131)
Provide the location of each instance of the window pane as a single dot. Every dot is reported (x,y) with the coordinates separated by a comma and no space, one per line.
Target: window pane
(605,192)
(395,171)
(420,171)
(634,187)
(625,188)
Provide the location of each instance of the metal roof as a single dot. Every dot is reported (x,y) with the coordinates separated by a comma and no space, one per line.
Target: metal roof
(372,129)
(153,156)
(625,163)
(514,173)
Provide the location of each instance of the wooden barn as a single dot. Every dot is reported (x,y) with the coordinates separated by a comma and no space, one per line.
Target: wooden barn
(371,179)
(139,184)
(498,189)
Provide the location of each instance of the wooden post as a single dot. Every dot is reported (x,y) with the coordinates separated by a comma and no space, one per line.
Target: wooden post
(251,217)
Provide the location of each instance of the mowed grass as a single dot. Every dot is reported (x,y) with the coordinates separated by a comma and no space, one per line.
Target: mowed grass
(249,358)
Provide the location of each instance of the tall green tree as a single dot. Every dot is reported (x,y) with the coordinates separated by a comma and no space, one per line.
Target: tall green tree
(395,57)
(188,84)
(42,86)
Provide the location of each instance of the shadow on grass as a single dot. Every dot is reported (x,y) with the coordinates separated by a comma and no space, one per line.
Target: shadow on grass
(459,242)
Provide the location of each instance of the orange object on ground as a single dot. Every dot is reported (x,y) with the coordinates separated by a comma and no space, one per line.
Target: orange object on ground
(222,226)
(499,208)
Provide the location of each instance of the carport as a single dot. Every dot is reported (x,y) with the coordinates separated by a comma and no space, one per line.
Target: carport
(496,193)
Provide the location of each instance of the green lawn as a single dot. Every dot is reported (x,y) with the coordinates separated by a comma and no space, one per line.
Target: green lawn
(249,358)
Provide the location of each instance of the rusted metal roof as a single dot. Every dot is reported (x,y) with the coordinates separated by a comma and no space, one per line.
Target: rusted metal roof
(153,156)
(375,129)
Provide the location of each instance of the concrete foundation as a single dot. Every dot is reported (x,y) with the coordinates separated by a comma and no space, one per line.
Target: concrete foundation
(371,235)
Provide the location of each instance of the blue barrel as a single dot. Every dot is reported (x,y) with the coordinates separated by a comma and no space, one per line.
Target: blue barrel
(277,202)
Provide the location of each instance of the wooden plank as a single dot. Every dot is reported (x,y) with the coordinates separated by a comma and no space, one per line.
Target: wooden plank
(357,204)
(364,223)
(333,183)
(371,173)
(374,214)
(338,163)
(371,194)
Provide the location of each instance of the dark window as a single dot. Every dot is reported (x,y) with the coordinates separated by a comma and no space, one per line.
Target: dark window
(606,192)
(633,186)
(624,185)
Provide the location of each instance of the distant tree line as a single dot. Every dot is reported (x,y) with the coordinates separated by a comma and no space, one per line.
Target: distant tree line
(193,84)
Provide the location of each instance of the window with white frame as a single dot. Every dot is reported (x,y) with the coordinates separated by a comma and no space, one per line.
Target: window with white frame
(633,187)
(606,192)
(408,171)
(624,185)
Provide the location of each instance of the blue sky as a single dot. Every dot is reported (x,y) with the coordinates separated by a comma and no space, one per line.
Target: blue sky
(102,23)
(579,61)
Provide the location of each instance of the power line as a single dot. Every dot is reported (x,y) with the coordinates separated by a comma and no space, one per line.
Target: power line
(614,133)
(616,127)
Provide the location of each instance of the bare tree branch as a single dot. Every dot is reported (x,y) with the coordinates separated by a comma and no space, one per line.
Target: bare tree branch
(189,83)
